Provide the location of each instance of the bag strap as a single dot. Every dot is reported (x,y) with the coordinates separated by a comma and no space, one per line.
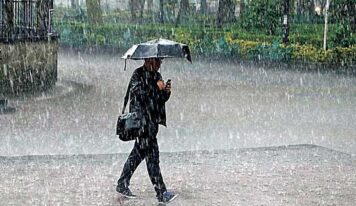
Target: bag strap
(126,97)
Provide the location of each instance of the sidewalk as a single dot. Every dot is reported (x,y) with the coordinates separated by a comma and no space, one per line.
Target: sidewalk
(293,175)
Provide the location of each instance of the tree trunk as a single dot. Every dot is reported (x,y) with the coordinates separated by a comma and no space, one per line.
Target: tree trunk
(136,9)
(150,10)
(286,6)
(351,13)
(183,13)
(149,6)
(226,12)
(94,12)
(242,8)
(203,7)
(74,4)
(161,12)
(353,19)
(305,8)
(142,6)
(133,7)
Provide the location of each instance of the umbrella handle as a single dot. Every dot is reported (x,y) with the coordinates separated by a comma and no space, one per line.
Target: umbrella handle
(125,65)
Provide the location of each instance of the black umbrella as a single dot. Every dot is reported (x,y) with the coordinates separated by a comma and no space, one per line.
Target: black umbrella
(158,48)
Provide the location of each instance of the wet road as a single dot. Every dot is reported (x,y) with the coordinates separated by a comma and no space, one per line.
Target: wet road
(276,176)
(214,105)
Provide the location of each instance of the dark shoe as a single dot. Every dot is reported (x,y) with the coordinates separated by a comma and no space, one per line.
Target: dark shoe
(126,192)
(167,197)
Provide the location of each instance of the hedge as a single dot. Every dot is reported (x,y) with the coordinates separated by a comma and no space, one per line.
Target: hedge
(207,41)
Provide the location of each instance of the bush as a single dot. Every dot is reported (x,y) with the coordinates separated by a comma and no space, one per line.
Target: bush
(336,56)
(208,41)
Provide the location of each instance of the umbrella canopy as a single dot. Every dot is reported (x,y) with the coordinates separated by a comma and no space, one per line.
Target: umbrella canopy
(158,48)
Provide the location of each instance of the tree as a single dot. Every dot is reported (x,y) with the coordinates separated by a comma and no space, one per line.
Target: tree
(343,13)
(141,7)
(136,7)
(149,5)
(286,13)
(74,4)
(150,13)
(161,12)
(242,8)
(184,11)
(94,12)
(305,10)
(203,7)
(353,18)
(133,7)
(265,15)
(226,12)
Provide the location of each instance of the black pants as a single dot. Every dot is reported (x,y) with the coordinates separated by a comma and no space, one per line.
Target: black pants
(145,147)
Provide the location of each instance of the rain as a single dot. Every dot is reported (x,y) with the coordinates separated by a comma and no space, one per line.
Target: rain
(264,114)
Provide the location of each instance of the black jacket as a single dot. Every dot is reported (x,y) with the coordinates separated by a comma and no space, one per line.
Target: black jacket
(145,96)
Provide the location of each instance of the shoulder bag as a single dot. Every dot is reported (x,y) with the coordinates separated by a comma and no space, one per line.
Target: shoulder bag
(129,125)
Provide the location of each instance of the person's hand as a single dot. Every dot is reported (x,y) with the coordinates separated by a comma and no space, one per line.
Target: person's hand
(161,85)
(168,86)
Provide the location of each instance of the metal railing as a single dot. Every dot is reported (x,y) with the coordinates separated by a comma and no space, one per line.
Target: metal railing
(25,19)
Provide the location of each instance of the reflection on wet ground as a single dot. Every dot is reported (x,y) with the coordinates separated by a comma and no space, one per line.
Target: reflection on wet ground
(295,175)
(214,105)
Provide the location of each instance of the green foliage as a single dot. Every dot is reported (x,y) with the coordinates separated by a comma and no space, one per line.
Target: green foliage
(337,56)
(233,41)
(344,35)
(263,15)
(94,12)
(343,13)
(342,10)
(305,12)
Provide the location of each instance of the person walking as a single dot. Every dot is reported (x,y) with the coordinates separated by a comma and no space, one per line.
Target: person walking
(148,95)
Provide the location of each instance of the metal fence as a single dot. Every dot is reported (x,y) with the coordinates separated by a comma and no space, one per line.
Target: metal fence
(25,19)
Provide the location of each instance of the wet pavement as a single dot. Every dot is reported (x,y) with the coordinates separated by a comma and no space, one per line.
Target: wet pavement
(215,104)
(228,124)
(294,175)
